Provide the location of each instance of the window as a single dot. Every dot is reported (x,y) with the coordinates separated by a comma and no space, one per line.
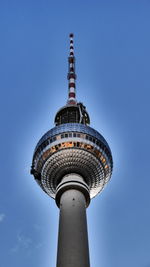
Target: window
(54,138)
(63,145)
(66,135)
(74,134)
(62,135)
(47,142)
(98,143)
(103,160)
(53,149)
(68,144)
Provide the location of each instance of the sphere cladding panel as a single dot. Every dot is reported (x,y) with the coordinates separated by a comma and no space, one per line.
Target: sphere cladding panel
(91,159)
(72,161)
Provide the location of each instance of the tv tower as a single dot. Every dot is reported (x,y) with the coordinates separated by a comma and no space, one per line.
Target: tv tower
(72,162)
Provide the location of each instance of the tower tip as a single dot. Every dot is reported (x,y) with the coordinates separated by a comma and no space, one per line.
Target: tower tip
(71,35)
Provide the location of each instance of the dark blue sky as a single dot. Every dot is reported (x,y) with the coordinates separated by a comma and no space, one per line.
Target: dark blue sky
(112,48)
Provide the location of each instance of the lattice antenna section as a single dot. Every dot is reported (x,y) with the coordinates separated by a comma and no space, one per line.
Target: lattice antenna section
(71,74)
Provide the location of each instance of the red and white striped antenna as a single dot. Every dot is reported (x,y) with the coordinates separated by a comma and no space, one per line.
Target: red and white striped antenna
(71,74)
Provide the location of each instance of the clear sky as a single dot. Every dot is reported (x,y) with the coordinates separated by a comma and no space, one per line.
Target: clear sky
(112,49)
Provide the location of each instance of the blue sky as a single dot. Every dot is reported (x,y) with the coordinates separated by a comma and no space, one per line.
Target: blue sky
(112,48)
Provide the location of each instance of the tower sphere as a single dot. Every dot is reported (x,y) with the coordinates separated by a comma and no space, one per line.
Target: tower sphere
(72,148)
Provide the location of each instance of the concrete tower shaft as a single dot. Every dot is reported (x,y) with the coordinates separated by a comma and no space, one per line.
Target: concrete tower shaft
(73,250)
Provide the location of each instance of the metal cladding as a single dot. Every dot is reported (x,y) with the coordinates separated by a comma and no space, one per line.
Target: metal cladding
(72,146)
(71,74)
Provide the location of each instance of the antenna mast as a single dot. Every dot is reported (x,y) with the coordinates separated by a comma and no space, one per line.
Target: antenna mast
(71,74)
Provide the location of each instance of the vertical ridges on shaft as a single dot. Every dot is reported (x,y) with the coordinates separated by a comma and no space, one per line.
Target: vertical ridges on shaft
(71,74)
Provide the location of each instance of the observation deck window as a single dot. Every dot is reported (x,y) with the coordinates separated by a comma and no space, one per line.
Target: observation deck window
(47,142)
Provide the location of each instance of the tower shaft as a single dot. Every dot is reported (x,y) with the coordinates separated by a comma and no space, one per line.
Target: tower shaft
(73,248)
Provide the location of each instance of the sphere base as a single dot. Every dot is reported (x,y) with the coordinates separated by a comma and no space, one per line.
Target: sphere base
(72,181)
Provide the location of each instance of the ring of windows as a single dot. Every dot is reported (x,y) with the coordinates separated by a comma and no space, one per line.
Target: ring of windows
(71,135)
(77,144)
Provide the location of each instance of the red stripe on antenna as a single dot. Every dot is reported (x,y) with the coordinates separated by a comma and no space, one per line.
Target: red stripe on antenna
(71,95)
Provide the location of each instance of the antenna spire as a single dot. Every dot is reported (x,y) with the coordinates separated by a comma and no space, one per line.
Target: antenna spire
(71,74)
